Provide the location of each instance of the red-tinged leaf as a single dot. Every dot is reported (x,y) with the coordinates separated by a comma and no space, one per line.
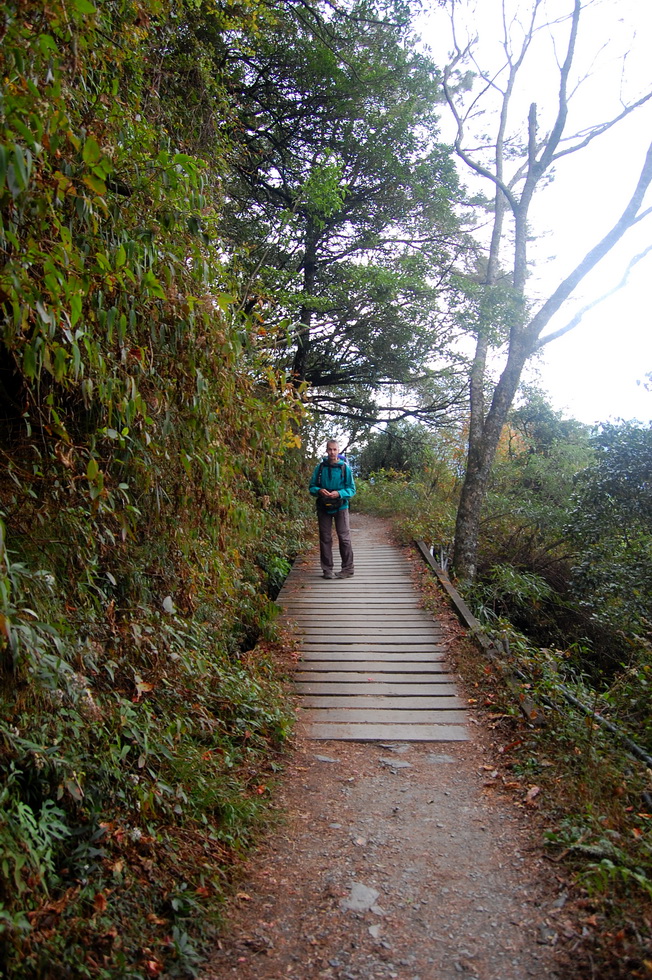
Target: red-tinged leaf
(511,745)
(4,627)
(100,902)
(532,793)
(203,891)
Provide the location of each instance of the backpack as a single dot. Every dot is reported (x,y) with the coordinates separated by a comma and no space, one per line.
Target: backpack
(323,463)
(319,502)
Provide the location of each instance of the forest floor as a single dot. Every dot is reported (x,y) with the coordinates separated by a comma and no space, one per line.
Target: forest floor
(410,861)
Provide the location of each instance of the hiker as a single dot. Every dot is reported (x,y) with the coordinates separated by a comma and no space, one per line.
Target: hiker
(332,484)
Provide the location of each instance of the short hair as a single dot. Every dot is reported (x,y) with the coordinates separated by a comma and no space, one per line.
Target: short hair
(331,442)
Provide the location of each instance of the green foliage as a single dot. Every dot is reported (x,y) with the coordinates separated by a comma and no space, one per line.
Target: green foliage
(610,522)
(403,447)
(342,200)
(148,504)
(506,588)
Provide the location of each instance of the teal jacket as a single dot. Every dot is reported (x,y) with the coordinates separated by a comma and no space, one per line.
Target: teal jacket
(336,477)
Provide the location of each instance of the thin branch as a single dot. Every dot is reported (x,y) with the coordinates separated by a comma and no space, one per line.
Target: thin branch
(596,302)
(628,218)
(602,128)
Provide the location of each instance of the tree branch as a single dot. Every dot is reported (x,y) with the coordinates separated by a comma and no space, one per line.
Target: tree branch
(596,302)
(628,218)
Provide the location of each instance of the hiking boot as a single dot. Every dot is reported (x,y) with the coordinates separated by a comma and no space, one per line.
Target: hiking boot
(328,575)
(343,574)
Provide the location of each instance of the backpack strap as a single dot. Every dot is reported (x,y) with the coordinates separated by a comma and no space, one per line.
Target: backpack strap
(342,467)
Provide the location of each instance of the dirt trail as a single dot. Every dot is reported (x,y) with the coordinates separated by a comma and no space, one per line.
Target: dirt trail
(395,861)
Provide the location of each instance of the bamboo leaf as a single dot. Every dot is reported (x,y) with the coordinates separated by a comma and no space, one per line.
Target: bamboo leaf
(91,153)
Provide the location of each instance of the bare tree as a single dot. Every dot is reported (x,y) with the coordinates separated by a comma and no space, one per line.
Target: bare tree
(518,165)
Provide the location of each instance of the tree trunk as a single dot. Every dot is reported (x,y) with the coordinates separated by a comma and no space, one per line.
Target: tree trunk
(300,362)
(480,457)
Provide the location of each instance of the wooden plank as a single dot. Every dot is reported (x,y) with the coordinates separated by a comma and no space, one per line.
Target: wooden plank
(397,716)
(332,669)
(344,644)
(373,649)
(385,658)
(388,733)
(370,687)
(356,582)
(350,631)
(405,618)
(367,667)
(360,601)
(379,701)
(390,676)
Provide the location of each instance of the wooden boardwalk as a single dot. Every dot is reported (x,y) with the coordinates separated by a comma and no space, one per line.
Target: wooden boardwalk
(373,661)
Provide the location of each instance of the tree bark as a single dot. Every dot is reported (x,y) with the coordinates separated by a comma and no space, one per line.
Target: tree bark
(300,362)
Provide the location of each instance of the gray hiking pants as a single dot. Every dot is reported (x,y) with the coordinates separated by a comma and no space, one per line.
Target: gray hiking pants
(341,518)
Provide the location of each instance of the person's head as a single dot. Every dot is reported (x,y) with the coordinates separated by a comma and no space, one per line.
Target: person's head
(332,449)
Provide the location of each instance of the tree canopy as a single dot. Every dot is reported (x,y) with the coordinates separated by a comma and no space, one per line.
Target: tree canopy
(342,200)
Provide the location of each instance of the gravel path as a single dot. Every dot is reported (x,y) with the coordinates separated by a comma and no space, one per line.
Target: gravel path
(395,860)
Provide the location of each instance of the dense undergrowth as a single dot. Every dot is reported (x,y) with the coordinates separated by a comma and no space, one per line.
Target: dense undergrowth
(148,504)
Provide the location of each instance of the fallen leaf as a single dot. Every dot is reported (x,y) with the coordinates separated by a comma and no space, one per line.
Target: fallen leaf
(510,745)
(532,793)
(243,896)
(100,902)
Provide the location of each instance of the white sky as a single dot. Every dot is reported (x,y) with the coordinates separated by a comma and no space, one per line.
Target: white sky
(596,372)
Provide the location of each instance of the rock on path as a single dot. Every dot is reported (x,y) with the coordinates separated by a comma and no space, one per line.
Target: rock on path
(395,861)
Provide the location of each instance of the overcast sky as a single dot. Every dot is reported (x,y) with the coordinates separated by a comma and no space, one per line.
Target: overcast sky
(597,372)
